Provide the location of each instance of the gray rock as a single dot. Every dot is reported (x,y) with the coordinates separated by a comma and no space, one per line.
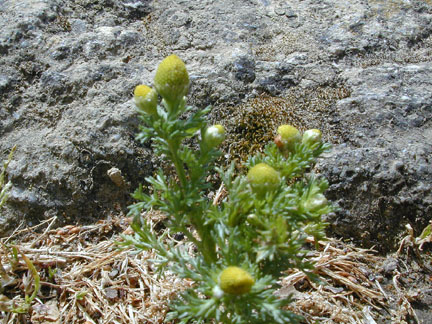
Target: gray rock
(359,71)
(389,266)
(388,174)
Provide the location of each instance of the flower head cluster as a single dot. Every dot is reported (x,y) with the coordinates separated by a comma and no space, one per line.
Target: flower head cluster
(236,281)
(311,137)
(171,82)
(315,203)
(263,178)
(145,99)
(288,137)
(172,79)
(261,223)
(214,135)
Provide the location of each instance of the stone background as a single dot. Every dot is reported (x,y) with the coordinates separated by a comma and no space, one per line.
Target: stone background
(359,70)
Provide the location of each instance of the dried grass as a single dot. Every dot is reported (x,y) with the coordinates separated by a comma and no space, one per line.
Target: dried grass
(94,281)
(346,292)
(86,279)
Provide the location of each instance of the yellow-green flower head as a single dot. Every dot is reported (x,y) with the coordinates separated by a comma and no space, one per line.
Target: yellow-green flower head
(235,281)
(214,135)
(146,99)
(252,219)
(315,203)
(288,136)
(311,136)
(172,80)
(263,178)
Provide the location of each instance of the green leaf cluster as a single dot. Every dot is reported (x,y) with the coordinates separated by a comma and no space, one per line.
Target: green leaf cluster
(264,234)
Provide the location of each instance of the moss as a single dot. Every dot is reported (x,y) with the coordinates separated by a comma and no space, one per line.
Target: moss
(287,43)
(387,9)
(419,51)
(63,23)
(254,123)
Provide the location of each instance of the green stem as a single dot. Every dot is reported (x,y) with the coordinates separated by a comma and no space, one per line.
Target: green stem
(28,299)
(205,244)
(173,147)
(208,246)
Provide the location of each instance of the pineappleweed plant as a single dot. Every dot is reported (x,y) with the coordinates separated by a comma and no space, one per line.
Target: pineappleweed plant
(244,243)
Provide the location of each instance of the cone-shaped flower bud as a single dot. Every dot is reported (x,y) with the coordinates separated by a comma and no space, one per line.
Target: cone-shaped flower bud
(235,281)
(311,136)
(172,80)
(146,99)
(263,178)
(214,135)
(288,137)
(315,203)
(253,219)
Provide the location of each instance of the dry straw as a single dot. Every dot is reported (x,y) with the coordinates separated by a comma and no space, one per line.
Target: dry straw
(85,278)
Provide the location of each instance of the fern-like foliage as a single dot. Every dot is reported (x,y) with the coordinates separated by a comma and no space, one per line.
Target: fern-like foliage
(262,233)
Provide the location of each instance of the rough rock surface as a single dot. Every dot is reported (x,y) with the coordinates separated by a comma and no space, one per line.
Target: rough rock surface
(359,70)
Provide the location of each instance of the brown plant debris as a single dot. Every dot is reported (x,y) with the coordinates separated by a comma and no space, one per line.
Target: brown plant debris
(85,278)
